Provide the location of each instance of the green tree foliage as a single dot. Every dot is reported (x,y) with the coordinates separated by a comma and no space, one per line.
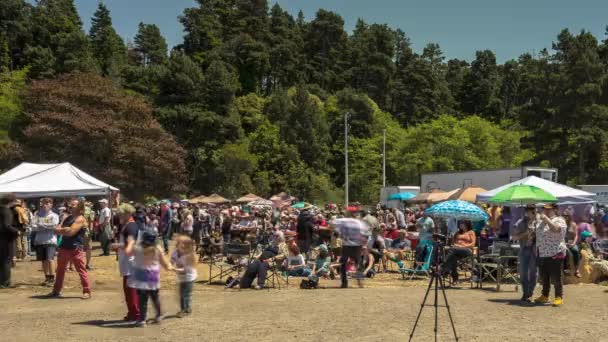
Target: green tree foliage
(372,48)
(481,91)
(285,53)
(11,88)
(449,144)
(108,48)
(125,145)
(15,32)
(150,46)
(257,97)
(57,32)
(325,42)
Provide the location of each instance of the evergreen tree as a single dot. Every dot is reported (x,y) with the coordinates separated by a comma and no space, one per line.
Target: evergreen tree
(371,58)
(325,43)
(285,53)
(108,48)
(57,29)
(150,46)
(482,87)
(16,30)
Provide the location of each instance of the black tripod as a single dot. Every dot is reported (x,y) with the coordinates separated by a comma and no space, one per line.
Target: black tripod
(437,279)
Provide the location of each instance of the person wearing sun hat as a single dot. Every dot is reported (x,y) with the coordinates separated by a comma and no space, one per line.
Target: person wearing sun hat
(550,241)
(525,233)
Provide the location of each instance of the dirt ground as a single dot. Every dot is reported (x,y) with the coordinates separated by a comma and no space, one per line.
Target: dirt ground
(385,309)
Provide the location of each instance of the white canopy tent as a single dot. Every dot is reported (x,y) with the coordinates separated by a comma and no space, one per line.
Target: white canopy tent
(29,180)
(564,193)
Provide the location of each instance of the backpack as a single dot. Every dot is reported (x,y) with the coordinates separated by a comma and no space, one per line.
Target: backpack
(307,284)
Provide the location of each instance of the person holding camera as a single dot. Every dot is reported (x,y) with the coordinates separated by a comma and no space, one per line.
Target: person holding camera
(550,240)
(525,233)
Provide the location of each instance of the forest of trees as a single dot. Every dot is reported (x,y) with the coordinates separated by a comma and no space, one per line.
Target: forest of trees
(253,100)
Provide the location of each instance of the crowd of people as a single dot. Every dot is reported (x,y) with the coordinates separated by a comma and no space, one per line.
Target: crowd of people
(311,243)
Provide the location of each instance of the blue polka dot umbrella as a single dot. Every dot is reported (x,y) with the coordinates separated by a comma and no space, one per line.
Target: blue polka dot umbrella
(457,209)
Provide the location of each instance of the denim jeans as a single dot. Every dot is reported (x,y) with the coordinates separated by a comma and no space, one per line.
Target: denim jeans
(185,296)
(300,272)
(576,257)
(527,270)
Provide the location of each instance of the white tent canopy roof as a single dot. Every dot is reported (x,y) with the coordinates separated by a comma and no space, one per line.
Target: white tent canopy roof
(29,180)
(564,193)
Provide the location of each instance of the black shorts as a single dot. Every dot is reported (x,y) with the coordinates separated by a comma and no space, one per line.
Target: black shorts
(45,252)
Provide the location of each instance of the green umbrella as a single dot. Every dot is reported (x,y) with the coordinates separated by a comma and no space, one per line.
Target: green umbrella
(522,194)
(302,205)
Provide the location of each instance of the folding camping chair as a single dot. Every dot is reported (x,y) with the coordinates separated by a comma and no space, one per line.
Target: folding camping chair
(489,264)
(241,251)
(423,268)
(508,267)
(467,266)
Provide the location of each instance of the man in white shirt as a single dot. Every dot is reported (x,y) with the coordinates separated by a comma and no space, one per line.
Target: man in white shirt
(105,227)
(45,222)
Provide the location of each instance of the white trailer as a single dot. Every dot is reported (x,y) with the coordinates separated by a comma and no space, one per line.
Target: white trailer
(487,179)
(390,190)
(601,192)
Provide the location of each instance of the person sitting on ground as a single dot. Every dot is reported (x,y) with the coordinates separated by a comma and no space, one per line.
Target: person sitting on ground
(295,263)
(367,262)
(377,246)
(321,265)
(464,241)
(396,251)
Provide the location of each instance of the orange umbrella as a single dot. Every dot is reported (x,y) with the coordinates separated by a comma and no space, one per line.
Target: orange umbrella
(441,196)
(423,197)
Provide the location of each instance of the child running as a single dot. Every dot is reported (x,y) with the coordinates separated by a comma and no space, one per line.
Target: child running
(183,260)
(145,276)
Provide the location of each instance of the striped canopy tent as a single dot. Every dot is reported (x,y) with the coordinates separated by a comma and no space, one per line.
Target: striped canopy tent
(198,199)
(248,198)
(468,194)
(261,203)
(215,199)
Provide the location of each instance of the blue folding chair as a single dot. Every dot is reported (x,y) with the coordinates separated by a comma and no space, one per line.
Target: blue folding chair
(424,268)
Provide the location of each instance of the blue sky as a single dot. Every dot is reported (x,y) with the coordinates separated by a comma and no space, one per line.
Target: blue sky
(461,27)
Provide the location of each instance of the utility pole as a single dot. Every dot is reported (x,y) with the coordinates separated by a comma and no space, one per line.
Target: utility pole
(384,158)
(345,160)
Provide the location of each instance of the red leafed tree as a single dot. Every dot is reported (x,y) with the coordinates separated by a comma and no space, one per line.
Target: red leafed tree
(90,122)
